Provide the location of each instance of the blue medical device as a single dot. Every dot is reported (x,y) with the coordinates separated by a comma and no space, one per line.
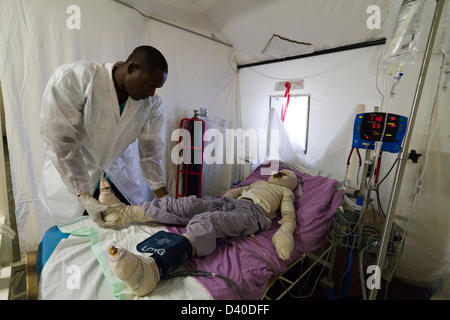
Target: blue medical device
(369,128)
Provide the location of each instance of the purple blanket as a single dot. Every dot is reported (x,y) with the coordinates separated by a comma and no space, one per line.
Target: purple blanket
(250,266)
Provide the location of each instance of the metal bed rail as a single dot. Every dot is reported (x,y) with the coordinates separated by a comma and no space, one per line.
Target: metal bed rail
(326,259)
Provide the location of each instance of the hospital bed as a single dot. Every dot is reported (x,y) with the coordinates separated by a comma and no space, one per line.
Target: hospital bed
(72,258)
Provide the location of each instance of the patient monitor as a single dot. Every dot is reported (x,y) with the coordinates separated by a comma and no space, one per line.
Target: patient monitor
(376,126)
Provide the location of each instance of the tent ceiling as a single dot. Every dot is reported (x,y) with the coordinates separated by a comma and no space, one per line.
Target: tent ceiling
(261,30)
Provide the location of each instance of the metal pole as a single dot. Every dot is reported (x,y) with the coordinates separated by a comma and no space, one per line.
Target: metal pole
(401,163)
(171,24)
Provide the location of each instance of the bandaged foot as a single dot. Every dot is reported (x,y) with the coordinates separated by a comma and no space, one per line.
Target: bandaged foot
(139,274)
(118,212)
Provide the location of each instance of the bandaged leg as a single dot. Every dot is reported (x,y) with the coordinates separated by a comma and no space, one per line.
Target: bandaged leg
(179,211)
(118,213)
(139,274)
(238,218)
(169,251)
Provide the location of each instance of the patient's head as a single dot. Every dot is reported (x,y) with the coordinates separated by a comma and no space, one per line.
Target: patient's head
(285,178)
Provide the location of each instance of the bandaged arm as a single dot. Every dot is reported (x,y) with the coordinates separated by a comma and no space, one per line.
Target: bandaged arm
(283,239)
(236,192)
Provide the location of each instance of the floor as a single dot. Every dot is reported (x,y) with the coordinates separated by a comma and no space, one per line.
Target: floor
(309,288)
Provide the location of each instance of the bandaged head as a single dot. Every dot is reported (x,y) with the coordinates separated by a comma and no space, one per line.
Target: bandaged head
(285,178)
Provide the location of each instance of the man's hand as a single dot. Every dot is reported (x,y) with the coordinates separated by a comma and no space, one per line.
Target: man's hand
(93,207)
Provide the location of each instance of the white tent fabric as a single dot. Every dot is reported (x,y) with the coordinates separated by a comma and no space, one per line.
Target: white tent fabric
(425,215)
(238,23)
(203,74)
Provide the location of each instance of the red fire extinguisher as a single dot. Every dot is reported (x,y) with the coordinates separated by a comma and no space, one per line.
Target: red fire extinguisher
(190,155)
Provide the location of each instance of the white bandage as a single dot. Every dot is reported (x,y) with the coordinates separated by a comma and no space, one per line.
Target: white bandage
(284,241)
(94,208)
(139,274)
(118,213)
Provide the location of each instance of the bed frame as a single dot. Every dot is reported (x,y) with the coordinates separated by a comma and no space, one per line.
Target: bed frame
(325,258)
(31,275)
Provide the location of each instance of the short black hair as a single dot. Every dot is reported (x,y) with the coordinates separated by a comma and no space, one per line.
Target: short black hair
(148,58)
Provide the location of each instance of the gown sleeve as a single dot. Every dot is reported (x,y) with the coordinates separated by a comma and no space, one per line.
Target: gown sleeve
(152,145)
(61,113)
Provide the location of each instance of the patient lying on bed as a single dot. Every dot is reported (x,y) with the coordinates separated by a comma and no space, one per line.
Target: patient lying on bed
(240,212)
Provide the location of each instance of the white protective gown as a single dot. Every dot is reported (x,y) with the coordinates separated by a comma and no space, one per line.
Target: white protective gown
(85,135)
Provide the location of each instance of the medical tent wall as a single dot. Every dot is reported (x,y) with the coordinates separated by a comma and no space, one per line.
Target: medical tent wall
(345,83)
(202,73)
(39,37)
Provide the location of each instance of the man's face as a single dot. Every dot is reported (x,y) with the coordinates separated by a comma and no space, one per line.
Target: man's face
(141,85)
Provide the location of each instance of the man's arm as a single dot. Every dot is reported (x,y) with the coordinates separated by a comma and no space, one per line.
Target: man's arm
(152,145)
(62,107)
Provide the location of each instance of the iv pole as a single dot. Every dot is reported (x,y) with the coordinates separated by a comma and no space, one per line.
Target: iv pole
(401,159)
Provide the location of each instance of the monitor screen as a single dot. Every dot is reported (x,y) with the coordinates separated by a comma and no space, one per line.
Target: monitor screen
(372,126)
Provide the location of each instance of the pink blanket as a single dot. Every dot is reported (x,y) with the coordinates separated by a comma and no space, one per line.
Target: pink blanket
(250,266)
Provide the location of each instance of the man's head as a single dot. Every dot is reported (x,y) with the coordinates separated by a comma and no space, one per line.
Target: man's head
(285,178)
(146,70)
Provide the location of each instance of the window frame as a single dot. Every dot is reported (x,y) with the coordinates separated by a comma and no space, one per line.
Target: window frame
(307,118)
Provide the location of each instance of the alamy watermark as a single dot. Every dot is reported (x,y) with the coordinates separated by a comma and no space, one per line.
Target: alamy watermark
(374,20)
(228,148)
(374,280)
(73,281)
(73,22)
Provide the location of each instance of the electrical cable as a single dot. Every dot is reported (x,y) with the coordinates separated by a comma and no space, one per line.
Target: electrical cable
(357,232)
(352,248)
(361,274)
(346,171)
(348,233)
(363,250)
(198,272)
(378,185)
(315,284)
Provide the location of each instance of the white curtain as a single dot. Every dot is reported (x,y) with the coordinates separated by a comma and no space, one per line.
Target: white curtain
(38,35)
(426,215)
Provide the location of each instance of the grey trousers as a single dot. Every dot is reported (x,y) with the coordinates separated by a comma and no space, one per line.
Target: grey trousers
(207,219)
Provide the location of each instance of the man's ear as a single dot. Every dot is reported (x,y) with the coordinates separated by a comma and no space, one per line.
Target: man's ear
(132,67)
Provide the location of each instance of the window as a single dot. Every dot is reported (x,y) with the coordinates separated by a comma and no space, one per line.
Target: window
(296,121)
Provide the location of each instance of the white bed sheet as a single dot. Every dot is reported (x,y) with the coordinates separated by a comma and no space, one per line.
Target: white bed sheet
(73,273)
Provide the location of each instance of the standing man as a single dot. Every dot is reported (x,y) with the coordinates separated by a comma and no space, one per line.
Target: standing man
(91,113)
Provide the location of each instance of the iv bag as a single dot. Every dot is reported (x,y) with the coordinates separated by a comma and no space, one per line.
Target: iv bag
(406,32)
